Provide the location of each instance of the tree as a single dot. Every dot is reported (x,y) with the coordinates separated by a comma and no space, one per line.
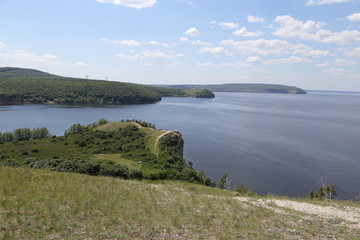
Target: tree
(325,192)
(224,182)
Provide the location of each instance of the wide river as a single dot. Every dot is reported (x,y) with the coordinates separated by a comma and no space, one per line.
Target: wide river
(274,143)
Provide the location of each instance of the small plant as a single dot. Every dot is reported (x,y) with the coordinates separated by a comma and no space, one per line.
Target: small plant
(245,191)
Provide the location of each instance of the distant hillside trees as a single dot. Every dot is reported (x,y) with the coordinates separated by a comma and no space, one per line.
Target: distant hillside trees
(22,134)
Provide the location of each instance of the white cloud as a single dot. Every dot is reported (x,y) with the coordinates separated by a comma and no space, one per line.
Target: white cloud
(50,56)
(322,65)
(253,60)
(341,61)
(158,43)
(122,42)
(138,4)
(355,52)
(322,2)
(193,32)
(262,46)
(335,71)
(149,54)
(310,30)
(243,32)
(218,65)
(2,45)
(184,39)
(21,58)
(216,51)
(81,64)
(147,64)
(354,17)
(226,25)
(255,19)
(309,52)
(175,64)
(201,43)
(290,60)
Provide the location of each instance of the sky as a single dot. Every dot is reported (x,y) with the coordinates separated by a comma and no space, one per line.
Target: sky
(312,44)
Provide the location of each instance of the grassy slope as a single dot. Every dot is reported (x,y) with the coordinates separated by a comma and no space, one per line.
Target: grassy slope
(37,204)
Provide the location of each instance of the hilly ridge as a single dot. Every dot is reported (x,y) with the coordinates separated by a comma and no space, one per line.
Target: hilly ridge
(19,85)
(245,87)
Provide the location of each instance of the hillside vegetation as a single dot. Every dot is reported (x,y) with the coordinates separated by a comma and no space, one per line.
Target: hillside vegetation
(19,85)
(37,204)
(245,87)
(128,149)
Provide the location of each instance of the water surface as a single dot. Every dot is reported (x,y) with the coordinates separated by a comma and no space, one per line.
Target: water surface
(274,143)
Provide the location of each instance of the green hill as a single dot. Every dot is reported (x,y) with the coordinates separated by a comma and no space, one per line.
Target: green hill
(129,149)
(18,85)
(245,87)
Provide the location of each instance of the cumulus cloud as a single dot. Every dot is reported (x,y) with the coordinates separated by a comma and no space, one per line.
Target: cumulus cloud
(216,51)
(158,43)
(354,17)
(21,58)
(355,52)
(261,46)
(138,4)
(175,64)
(147,64)
(81,64)
(255,19)
(322,65)
(243,32)
(335,71)
(149,54)
(218,65)
(122,42)
(50,56)
(184,39)
(323,2)
(310,30)
(310,52)
(253,60)
(193,32)
(289,60)
(226,25)
(341,61)
(200,43)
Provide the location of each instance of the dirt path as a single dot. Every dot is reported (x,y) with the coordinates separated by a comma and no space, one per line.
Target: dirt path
(160,136)
(349,214)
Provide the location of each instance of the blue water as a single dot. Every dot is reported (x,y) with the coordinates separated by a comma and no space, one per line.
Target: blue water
(274,143)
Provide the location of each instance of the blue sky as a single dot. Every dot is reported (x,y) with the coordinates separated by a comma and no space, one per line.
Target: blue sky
(312,44)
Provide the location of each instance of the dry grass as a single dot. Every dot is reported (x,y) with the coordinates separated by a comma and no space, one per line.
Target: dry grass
(38,204)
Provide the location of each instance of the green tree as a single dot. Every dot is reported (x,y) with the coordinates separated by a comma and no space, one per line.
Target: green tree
(224,182)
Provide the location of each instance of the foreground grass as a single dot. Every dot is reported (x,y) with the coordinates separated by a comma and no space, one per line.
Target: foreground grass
(37,204)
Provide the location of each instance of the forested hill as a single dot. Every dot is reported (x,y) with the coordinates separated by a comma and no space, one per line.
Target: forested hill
(246,87)
(18,85)
(24,72)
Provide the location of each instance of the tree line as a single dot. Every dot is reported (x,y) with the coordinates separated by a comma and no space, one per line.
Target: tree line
(22,134)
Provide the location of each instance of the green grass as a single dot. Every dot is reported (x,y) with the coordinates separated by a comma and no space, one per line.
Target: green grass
(36,204)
